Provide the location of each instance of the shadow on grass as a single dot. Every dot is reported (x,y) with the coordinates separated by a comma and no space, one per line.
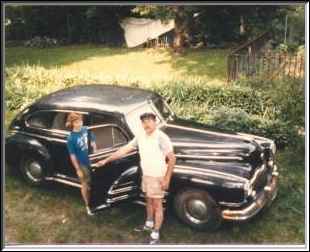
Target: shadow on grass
(205,63)
(210,63)
(59,56)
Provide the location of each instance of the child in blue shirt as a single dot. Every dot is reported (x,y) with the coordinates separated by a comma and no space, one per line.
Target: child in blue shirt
(77,144)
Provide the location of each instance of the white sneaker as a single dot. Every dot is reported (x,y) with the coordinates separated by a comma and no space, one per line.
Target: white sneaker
(154,237)
(89,211)
(148,226)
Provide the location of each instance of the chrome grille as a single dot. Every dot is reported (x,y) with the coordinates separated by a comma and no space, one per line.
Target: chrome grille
(262,180)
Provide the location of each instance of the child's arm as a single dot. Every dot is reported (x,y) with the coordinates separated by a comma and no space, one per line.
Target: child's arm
(94,146)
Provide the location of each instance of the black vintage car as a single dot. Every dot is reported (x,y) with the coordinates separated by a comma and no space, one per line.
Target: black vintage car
(218,175)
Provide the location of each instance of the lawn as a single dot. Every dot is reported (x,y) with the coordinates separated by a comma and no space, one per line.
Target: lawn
(146,66)
(55,214)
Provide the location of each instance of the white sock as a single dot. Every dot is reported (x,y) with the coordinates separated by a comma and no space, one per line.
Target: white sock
(149,223)
(155,234)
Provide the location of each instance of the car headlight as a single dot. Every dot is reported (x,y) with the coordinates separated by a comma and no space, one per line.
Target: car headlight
(262,156)
(270,163)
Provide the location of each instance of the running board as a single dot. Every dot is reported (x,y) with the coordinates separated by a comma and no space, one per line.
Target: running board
(139,202)
(64,181)
(103,206)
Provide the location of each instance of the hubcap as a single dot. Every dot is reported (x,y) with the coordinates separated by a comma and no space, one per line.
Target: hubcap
(34,170)
(196,210)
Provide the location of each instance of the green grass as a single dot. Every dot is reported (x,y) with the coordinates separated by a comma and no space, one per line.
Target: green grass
(55,214)
(145,66)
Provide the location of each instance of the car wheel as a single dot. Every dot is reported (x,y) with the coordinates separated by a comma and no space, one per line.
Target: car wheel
(197,209)
(33,169)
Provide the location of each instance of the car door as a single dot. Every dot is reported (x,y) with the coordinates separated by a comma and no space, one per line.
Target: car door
(118,180)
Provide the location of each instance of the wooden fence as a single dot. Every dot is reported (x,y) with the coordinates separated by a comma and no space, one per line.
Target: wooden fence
(269,65)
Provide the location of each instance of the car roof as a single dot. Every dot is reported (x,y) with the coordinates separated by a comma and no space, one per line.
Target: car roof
(103,97)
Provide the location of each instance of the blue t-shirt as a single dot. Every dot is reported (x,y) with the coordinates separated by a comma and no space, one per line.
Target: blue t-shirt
(78,145)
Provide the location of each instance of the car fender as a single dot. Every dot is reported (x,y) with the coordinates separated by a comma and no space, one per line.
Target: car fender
(18,145)
(219,189)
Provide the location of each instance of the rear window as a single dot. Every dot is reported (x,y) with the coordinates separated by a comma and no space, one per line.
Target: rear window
(42,120)
(108,137)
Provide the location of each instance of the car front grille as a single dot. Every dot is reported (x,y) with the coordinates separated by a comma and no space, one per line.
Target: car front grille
(262,179)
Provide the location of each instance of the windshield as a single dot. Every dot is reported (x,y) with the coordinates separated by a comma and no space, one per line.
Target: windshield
(163,109)
(158,106)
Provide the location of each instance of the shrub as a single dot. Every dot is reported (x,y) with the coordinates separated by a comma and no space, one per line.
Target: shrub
(41,42)
(236,119)
(250,100)
(272,109)
(23,85)
(286,97)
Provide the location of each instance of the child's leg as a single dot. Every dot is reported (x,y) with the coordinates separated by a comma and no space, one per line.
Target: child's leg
(85,193)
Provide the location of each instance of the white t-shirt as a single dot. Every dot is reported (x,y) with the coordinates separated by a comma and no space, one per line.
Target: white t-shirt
(153,150)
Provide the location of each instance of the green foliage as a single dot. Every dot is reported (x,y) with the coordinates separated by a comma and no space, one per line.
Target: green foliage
(248,99)
(73,24)
(161,12)
(24,85)
(272,109)
(221,23)
(41,42)
(238,120)
(286,95)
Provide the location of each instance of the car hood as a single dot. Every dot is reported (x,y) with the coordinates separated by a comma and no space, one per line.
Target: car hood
(225,153)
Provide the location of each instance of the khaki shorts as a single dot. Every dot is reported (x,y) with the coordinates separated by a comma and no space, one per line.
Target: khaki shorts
(86,175)
(151,186)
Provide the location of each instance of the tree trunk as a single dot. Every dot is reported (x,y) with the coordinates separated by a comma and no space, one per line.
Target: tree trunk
(179,37)
(69,29)
(242,25)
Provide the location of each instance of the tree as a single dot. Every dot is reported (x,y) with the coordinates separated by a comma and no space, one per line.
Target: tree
(73,24)
(220,22)
(182,15)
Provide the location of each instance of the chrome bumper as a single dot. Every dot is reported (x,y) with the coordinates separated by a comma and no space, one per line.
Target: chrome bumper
(264,198)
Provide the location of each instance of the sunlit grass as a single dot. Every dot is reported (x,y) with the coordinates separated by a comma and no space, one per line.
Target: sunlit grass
(145,66)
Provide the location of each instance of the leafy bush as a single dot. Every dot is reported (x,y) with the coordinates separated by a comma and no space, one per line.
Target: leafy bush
(41,42)
(272,109)
(250,100)
(282,47)
(236,119)
(286,96)
(23,85)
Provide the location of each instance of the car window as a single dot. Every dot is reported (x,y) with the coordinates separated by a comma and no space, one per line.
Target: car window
(118,137)
(59,121)
(108,137)
(42,119)
(101,119)
(103,137)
